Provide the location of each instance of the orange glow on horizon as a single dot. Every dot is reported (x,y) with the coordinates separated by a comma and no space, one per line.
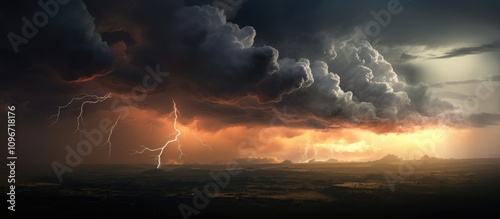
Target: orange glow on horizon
(299,145)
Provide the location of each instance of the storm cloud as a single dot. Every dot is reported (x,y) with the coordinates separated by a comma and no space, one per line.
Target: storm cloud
(214,62)
(471,50)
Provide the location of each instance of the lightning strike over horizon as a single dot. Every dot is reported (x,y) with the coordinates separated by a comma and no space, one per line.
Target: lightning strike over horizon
(83,96)
(315,151)
(97,99)
(150,127)
(203,143)
(177,132)
(331,151)
(85,99)
(304,156)
(111,133)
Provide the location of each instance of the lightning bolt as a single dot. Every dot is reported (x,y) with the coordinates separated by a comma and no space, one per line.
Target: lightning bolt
(331,151)
(59,108)
(84,99)
(315,151)
(95,99)
(150,127)
(175,113)
(203,143)
(304,155)
(111,133)
(179,148)
(306,149)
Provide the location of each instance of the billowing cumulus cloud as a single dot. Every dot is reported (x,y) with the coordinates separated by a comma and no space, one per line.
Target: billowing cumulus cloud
(298,67)
(219,60)
(292,75)
(215,63)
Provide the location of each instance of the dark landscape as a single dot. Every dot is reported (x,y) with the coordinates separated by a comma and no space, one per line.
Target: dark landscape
(319,190)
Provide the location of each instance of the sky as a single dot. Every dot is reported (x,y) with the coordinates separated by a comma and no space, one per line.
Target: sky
(203,81)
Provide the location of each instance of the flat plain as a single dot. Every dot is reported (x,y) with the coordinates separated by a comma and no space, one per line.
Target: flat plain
(434,187)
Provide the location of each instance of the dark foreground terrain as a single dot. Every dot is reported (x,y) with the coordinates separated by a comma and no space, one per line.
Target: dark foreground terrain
(433,188)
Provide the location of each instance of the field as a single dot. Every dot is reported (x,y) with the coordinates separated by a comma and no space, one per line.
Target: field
(319,190)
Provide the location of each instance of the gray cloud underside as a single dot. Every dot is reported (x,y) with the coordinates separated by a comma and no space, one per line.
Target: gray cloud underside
(470,51)
(484,119)
(495,78)
(217,60)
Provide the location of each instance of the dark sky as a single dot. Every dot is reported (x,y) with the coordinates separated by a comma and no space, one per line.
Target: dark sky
(317,59)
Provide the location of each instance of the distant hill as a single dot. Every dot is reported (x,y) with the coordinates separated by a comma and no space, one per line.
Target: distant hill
(332,161)
(389,159)
(393,159)
(286,162)
(257,160)
(427,159)
(326,161)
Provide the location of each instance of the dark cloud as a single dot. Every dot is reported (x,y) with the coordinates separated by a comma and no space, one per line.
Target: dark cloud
(452,95)
(434,21)
(283,62)
(474,81)
(52,57)
(67,45)
(198,45)
(220,61)
(119,36)
(441,23)
(470,51)
(217,67)
(410,73)
(293,75)
(484,119)
(408,57)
